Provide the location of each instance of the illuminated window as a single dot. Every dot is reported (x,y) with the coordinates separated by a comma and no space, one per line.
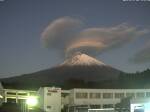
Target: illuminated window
(95,95)
(107,95)
(81,95)
(140,95)
(119,95)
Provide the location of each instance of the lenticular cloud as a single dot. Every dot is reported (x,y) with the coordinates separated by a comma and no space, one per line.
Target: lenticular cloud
(67,35)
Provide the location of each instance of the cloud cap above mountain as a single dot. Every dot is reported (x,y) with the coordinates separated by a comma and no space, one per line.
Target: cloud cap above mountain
(67,35)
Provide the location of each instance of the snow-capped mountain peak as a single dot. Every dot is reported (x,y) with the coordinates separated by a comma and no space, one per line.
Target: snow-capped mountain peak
(82,59)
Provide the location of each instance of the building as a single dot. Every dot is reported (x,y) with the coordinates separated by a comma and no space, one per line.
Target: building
(53,99)
(84,99)
(1,94)
(16,96)
(102,98)
(50,99)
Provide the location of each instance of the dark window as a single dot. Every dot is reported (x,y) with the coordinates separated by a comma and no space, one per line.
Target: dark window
(130,95)
(49,94)
(108,106)
(95,95)
(140,95)
(11,93)
(119,95)
(107,95)
(48,107)
(95,106)
(22,93)
(81,95)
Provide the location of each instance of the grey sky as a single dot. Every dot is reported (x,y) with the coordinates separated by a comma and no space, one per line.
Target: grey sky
(23,21)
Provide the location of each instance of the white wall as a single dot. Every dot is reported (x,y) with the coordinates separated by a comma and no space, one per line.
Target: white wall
(52,99)
(101,101)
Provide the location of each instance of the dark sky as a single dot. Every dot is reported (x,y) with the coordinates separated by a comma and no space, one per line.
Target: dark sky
(23,21)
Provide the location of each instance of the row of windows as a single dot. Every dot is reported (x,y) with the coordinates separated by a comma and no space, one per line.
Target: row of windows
(21,93)
(95,95)
(81,95)
(110,95)
(98,106)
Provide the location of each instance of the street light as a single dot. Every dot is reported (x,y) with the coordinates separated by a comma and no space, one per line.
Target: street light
(31,102)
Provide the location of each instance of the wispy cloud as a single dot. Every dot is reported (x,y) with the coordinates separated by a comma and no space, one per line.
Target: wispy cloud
(143,55)
(66,35)
(60,31)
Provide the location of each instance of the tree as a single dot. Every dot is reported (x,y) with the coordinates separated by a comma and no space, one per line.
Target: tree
(124,105)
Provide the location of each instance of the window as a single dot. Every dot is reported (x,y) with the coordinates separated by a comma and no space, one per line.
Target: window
(107,95)
(95,106)
(49,94)
(32,93)
(48,107)
(95,95)
(130,94)
(11,93)
(147,94)
(10,100)
(81,95)
(140,95)
(22,93)
(119,95)
(108,106)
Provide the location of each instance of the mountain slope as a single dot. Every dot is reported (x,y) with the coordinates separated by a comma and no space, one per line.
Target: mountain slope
(79,67)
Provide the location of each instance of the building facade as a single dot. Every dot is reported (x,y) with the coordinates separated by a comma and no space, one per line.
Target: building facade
(53,99)
(104,98)
(50,99)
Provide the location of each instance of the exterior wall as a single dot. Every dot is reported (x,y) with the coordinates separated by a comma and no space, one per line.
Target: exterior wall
(1,94)
(105,96)
(65,96)
(41,98)
(51,99)
(72,97)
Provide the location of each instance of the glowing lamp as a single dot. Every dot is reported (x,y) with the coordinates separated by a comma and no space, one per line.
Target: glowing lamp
(1,96)
(32,101)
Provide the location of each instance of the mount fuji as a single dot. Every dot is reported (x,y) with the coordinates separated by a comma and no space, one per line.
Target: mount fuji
(77,69)
(82,59)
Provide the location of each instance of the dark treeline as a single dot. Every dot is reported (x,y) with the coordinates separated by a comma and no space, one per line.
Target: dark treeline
(124,81)
(138,80)
(135,80)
